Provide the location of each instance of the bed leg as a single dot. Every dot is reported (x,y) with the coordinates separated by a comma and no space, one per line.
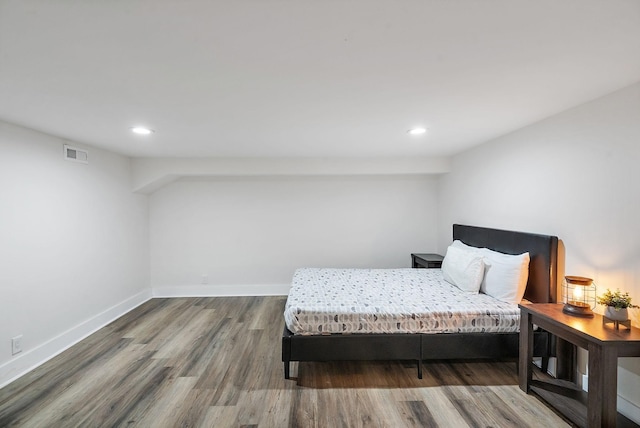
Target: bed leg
(286,350)
(421,354)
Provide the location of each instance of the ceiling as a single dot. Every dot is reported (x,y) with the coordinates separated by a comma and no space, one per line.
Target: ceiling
(306,78)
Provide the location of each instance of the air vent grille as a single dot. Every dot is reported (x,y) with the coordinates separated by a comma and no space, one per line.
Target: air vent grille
(75,154)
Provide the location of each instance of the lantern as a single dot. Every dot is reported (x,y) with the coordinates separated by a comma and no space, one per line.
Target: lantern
(579,296)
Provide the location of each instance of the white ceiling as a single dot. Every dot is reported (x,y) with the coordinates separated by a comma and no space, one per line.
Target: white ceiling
(292,78)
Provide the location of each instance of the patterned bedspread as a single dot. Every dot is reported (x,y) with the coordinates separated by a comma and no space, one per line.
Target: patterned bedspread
(323,301)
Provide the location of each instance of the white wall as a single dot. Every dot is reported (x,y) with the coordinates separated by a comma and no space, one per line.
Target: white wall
(73,245)
(249,234)
(575,175)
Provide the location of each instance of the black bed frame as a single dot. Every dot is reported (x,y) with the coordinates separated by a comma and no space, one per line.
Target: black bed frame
(541,288)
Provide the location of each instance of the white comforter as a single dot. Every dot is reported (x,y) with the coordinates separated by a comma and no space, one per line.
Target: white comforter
(323,301)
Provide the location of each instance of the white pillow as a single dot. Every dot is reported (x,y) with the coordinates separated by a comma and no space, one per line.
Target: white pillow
(459,244)
(505,275)
(464,269)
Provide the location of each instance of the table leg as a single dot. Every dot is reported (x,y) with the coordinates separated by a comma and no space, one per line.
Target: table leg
(603,382)
(526,351)
(566,360)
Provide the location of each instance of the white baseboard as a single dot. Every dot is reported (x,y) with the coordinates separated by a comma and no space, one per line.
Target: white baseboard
(29,360)
(625,407)
(204,290)
(629,409)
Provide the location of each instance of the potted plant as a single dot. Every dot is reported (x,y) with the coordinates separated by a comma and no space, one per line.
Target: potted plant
(616,304)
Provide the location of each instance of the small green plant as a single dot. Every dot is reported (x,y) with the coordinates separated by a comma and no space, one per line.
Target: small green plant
(617,299)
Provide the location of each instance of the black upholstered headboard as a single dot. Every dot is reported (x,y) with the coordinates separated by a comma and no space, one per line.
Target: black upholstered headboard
(543,250)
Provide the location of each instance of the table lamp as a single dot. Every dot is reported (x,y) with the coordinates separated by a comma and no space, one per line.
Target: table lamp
(579,296)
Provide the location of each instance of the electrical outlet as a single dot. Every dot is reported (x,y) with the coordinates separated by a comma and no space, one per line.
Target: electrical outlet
(16,345)
(205,279)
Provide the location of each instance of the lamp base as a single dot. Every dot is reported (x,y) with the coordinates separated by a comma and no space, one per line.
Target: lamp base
(578,311)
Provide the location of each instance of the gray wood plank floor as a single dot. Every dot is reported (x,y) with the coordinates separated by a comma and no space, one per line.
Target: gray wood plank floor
(216,362)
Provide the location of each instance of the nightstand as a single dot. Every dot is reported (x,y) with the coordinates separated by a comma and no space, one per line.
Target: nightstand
(426,260)
(605,344)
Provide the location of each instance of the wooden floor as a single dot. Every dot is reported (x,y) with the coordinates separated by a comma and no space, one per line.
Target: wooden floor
(216,362)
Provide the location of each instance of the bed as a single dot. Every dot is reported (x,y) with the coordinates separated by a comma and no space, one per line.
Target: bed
(417,339)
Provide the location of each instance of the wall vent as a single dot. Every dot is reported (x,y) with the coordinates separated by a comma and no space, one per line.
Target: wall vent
(75,154)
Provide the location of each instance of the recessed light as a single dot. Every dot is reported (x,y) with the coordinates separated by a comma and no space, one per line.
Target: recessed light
(141,130)
(417,131)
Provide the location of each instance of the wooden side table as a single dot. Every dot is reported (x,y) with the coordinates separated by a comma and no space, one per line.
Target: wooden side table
(604,344)
(426,260)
